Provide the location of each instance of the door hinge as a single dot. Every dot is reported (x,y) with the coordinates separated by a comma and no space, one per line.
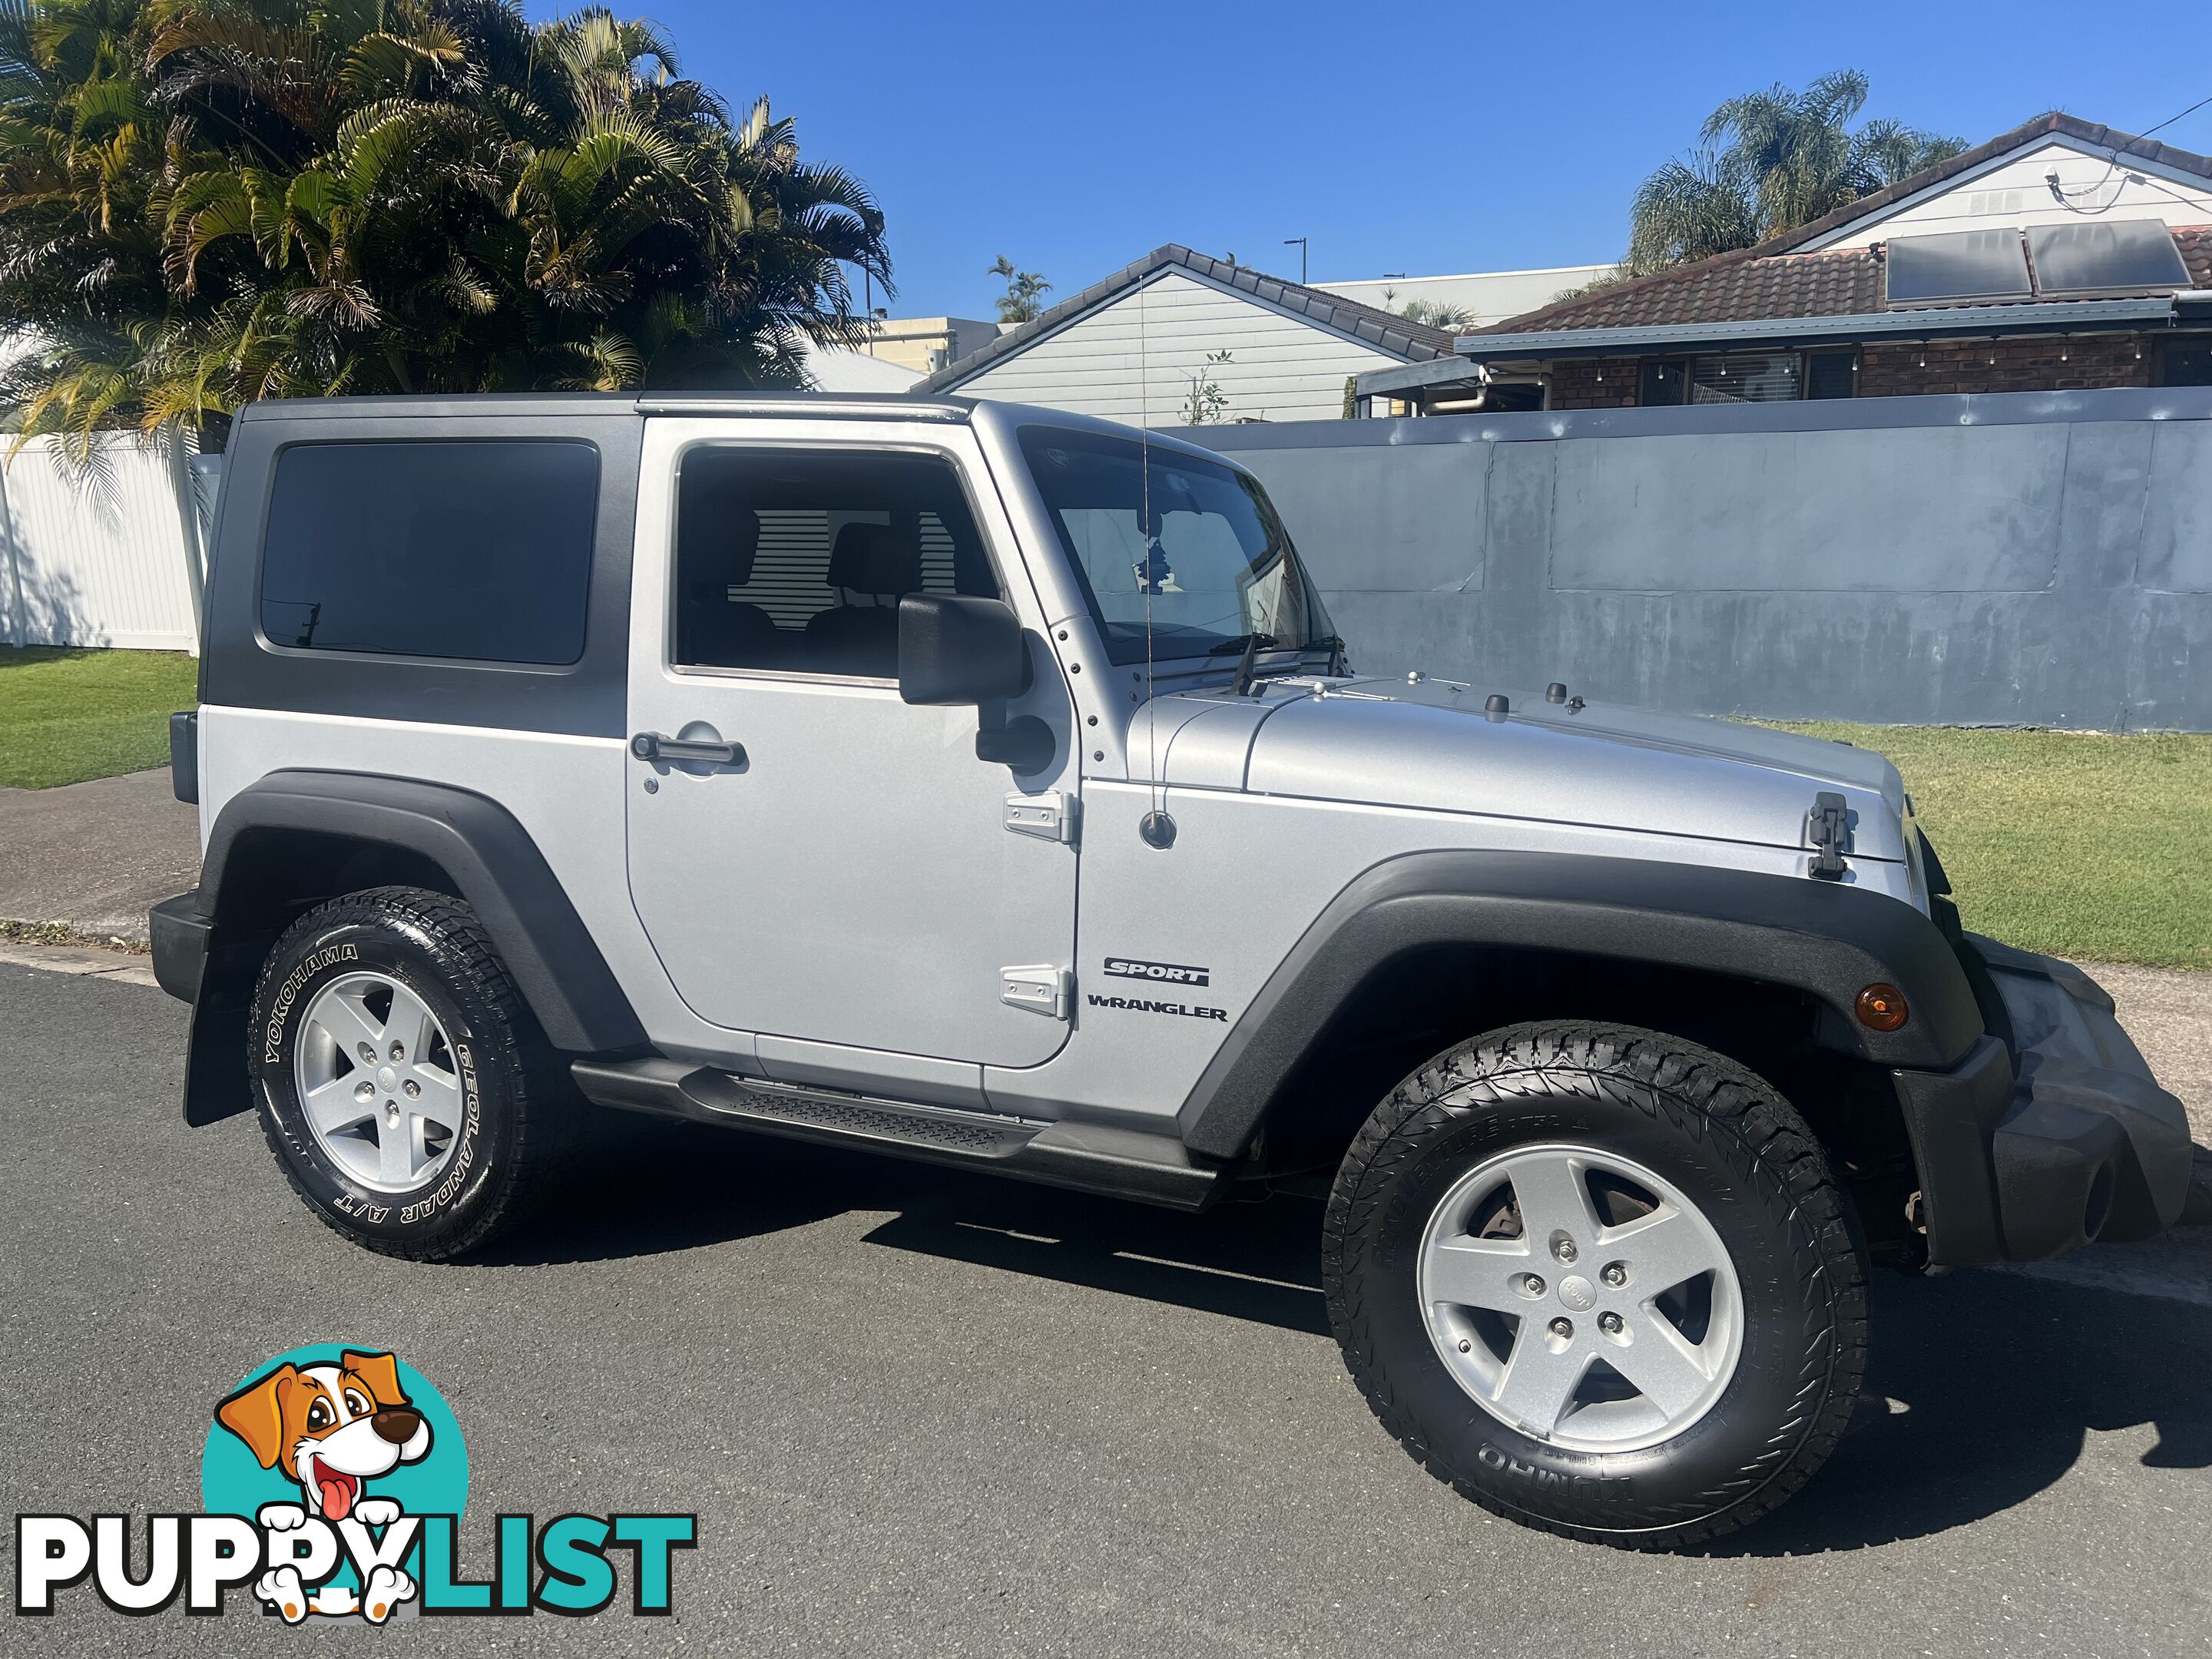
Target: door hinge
(1049,817)
(1047,989)
(1828,833)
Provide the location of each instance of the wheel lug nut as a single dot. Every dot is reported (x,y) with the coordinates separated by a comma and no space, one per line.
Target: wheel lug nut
(364,1089)
(1615,1275)
(367,1055)
(1532,1284)
(1609,1323)
(1563,1248)
(1562,1328)
(411,1088)
(399,1051)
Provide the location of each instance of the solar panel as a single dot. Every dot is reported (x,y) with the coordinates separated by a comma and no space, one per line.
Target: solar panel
(1959,266)
(2107,256)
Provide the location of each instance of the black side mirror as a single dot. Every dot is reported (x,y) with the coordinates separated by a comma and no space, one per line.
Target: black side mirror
(953,649)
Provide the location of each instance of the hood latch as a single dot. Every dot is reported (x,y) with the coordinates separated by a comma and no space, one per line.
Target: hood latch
(1828,833)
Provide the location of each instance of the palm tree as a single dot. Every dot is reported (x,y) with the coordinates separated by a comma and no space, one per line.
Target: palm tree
(1023,300)
(1769,161)
(80,267)
(207,202)
(1436,313)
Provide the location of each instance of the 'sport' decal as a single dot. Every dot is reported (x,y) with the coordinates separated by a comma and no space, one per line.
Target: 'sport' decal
(1166,973)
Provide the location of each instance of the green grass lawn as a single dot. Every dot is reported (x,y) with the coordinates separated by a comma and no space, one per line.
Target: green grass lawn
(2078,844)
(68,715)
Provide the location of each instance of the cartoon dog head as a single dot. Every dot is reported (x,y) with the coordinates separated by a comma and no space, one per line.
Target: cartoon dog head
(331,1427)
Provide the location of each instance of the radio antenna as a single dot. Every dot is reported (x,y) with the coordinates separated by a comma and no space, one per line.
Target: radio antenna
(1156,829)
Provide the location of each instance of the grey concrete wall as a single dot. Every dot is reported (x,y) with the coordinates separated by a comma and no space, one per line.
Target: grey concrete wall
(2022,558)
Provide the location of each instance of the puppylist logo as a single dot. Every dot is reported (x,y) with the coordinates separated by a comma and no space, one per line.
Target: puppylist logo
(333,1480)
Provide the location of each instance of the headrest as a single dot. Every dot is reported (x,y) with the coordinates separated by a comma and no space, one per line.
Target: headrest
(874,558)
(722,554)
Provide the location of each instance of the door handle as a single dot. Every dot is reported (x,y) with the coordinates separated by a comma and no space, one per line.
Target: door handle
(681,751)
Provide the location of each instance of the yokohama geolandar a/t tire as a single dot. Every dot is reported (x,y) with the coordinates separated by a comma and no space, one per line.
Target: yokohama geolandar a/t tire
(1601,1280)
(403,1083)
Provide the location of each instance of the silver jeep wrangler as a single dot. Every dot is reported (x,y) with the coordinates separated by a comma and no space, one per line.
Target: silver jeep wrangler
(988,785)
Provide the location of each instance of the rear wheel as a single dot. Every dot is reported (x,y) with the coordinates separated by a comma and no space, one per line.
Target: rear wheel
(403,1084)
(1600,1280)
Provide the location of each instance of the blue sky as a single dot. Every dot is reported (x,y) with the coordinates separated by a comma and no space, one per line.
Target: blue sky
(1426,139)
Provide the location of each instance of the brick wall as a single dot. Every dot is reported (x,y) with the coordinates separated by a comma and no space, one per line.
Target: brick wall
(1580,384)
(2034,363)
(2031,363)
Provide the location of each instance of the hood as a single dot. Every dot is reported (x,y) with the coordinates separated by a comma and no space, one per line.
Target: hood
(1429,744)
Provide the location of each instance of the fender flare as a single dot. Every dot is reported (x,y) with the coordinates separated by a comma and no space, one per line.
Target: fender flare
(483,848)
(1826,938)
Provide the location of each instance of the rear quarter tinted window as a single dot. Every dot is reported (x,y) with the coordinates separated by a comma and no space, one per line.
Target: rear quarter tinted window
(473,548)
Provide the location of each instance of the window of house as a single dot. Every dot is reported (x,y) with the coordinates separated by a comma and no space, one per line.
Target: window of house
(1832,373)
(1664,383)
(478,548)
(1746,377)
(2186,362)
(796,561)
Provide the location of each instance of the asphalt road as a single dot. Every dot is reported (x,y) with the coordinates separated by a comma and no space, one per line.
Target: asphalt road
(920,1412)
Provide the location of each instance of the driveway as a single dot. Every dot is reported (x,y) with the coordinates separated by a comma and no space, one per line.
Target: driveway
(95,856)
(929,1412)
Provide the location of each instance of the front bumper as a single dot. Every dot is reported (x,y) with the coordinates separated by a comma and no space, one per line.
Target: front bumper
(2048,1136)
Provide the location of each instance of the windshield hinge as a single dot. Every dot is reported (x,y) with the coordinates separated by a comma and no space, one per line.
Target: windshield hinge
(1828,833)
(1047,989)
(1050,816)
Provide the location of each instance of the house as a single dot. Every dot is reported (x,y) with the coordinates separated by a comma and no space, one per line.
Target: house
(2059,256)
(926,344)
(1483,297)
(838,369)
(1178,335)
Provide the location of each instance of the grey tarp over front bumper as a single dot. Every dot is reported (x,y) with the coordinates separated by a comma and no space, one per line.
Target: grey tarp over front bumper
(2049,1136)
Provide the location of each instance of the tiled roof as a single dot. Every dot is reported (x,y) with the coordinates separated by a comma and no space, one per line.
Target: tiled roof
(1409,342)
(1844,284)
(2194,242)
(1774,280)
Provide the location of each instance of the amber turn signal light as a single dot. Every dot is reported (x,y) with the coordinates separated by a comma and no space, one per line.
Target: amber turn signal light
(1881,1008)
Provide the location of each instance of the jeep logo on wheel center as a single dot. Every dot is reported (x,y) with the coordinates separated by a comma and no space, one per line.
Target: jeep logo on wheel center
(1165,972)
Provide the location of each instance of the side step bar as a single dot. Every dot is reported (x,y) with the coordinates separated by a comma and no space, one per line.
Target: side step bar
(1093,1157)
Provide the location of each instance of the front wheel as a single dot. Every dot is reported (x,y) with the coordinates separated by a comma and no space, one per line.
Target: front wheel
(403,1086)
(1600,1280)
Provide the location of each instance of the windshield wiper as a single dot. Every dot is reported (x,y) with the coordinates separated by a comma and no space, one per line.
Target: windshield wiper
(1241,642)
(1252,642)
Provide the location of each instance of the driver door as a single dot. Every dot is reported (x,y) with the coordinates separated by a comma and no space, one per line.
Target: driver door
(816,859)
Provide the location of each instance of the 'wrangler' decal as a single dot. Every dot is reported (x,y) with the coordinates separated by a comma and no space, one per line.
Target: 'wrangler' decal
(1139,1005)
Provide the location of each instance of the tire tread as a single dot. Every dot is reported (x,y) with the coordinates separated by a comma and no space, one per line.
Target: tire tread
(1701,1091)
(547,1129)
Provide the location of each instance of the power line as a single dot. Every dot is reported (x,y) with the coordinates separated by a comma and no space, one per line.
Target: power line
(2171,119)
(2065,198)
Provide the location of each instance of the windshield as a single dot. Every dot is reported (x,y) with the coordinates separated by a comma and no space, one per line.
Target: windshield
(1211,565)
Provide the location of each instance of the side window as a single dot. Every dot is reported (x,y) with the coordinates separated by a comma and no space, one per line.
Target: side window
(796,561)
(477,548)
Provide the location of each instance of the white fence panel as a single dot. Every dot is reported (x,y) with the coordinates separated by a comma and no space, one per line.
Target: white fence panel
(109,555)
